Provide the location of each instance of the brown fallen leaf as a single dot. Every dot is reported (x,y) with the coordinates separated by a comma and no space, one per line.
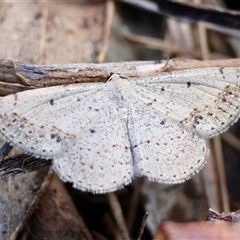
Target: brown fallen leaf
(19,196)
(56,216)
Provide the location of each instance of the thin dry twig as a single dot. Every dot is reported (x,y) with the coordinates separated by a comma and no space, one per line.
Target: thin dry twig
(162,45)
(118,215)
(110,10)
(142,226)
(23,76)
(134,200)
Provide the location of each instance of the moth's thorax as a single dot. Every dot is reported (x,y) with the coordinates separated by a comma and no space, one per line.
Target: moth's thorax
(120,89)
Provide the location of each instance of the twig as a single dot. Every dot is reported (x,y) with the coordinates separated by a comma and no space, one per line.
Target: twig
(118,215)
(142,226)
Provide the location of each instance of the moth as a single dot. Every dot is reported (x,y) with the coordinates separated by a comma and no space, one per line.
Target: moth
(146,121)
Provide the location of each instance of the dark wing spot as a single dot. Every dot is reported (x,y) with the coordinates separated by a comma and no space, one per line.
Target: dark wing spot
(54,135)
(92,130)
(51,101)
(188,84)
(196,119)
(223,110)
(154,100)
(163,122)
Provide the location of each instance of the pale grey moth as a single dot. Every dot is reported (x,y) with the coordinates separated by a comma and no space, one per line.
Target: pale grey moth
(102,135)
